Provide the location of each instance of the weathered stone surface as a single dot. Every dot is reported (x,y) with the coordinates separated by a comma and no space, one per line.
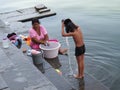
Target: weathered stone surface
(3,84)
(17,72)
(26,14)
(5,62)
(58,80)
(41,87)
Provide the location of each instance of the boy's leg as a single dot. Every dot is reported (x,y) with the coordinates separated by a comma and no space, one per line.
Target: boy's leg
(80,62)
(82,65)
(78,58)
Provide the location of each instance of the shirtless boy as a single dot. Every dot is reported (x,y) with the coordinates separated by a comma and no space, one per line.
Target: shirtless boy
(74,31)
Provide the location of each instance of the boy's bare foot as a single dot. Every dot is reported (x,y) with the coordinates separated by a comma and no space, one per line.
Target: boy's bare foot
(78,77)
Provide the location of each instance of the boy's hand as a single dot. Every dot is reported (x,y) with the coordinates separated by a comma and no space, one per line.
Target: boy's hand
(63,25)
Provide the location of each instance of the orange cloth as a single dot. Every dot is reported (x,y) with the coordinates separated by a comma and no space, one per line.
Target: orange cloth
(27,40)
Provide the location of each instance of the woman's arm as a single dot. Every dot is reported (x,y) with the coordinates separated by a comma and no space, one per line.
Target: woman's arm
(44,31)
(34,39)
(42,41)
(46,37)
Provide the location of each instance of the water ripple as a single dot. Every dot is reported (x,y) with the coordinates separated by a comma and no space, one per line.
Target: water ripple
(103,62)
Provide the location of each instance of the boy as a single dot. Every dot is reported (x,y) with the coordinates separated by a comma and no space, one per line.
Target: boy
(74,31)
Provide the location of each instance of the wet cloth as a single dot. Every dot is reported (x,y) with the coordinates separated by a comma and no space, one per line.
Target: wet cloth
(33,33)
(15,39)
(79,50)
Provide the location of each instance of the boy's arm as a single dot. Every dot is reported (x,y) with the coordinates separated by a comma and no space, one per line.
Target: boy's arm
(63,32)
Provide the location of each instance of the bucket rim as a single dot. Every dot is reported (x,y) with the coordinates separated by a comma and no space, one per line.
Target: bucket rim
(50,48)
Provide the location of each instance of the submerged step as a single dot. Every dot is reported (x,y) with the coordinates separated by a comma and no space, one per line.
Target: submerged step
(58,80)
(87,83)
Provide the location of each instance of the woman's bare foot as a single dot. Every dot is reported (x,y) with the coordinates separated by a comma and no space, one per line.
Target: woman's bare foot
(63,50)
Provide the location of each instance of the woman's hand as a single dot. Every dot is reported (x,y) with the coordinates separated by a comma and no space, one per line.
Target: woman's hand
(46,43)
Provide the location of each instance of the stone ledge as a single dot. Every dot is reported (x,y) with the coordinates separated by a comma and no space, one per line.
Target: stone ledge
(17,72)
(27,14)
(23,73)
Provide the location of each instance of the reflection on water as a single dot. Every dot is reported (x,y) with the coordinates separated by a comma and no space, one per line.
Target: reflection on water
(81,84)
(100,24)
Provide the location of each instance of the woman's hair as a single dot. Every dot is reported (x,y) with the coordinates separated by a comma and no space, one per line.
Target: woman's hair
(35,20)
(69,25)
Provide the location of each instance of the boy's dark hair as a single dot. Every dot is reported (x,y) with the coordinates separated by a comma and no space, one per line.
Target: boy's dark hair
(69,25)
(35,20)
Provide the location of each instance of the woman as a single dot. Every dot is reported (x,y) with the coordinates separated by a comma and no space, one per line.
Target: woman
(38,34)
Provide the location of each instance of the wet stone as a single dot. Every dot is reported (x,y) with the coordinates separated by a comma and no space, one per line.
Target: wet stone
(3,84)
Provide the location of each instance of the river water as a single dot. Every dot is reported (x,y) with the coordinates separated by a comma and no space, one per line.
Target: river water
(100,23)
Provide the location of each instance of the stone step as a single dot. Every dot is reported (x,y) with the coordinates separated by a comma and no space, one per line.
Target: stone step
(43,10)
(53,76)
(40,7)
(92,84)
(3,84)
(88,83)
(69,82)
(57,79)
(22,75)
(49,66)
(27,14)
(5,62)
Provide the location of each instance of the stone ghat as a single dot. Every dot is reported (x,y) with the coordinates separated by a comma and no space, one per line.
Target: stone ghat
(17,72)
(24,15)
